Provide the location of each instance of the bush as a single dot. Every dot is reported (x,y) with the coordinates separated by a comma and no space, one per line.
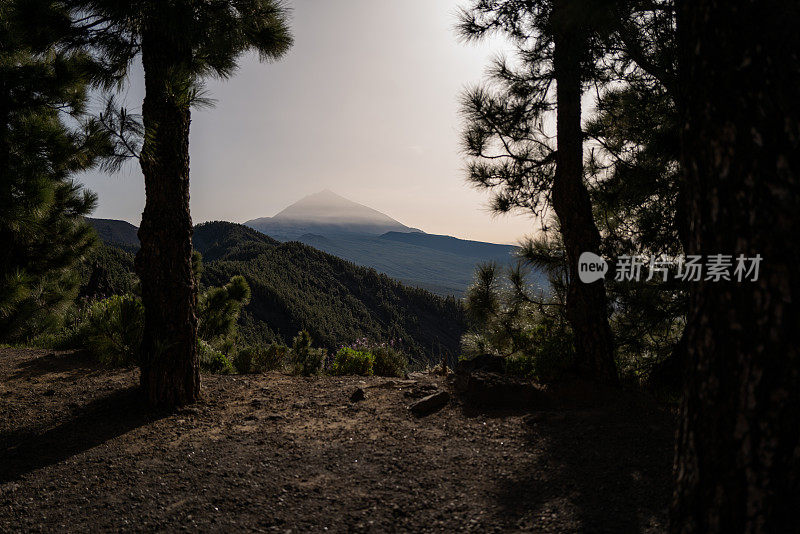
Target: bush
(218,308)
(389,361)
(555,354)
(212,360)
(353,362)
(521,365)
(260,359)
(272,358)
(72,333)
(243,360)
(307,361)
(508,320)
(113,330)
(550,358)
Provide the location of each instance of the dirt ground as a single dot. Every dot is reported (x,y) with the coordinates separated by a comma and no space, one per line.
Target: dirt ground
(267,453)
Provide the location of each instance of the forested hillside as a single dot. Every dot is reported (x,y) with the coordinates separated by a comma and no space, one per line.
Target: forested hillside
(441,264)
(115,231)
(297,287)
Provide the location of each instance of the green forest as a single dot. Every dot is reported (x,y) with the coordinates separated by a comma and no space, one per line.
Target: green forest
(295,287)
(209,377)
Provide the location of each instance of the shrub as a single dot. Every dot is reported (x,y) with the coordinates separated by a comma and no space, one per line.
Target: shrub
(548,360)
(260,359)
(218,308)
(509,319)
(521,365)
(307,361)
(113,330)
(212,360)
(270,359)
(353,362)
(555,354)
(72,333)
(243,360)
(389,361)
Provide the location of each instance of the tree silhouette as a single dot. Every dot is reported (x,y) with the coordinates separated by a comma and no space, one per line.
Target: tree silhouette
(634,143)
(556,42)
(46,137)
(181,42)
(737,462)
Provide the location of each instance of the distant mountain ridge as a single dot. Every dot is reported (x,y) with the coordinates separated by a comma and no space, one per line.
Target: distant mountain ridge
(115,231)
(442,264)
(454,245)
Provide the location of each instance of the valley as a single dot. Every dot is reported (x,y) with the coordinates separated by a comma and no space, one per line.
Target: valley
(441,264)
(296,287)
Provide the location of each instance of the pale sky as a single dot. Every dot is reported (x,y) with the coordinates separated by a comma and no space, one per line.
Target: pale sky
(364,104)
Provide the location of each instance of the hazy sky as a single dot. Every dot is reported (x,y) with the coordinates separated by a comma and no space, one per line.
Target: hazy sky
(365,104)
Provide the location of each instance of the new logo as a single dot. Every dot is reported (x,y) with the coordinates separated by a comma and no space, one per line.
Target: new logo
(591,267)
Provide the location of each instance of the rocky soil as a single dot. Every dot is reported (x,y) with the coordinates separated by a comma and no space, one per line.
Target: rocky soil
(267,453)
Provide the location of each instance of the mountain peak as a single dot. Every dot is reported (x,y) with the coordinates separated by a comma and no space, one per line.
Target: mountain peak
(326,197)
(327,207)
(325,194)
(325,213)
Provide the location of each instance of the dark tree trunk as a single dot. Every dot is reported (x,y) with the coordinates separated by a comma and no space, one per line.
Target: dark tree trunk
(6,195)
(737,462)
(586,303)
(170,368)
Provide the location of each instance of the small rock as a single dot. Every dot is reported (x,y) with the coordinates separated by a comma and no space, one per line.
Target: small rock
(275,417)
(486,362)
(357,395)
(430,404)
(496,390)
(420,390)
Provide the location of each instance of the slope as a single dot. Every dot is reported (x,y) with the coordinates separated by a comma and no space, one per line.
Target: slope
(442,264)
(296,287)
(114,231)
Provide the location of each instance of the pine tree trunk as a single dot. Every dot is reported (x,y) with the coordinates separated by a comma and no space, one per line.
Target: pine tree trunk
(6,195)
(170,369)
(586,303)
(737,462)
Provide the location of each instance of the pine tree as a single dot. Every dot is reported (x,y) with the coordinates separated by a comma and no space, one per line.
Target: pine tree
(46,138)
(635,161)
(506,135)
(181,42)
(738,451)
